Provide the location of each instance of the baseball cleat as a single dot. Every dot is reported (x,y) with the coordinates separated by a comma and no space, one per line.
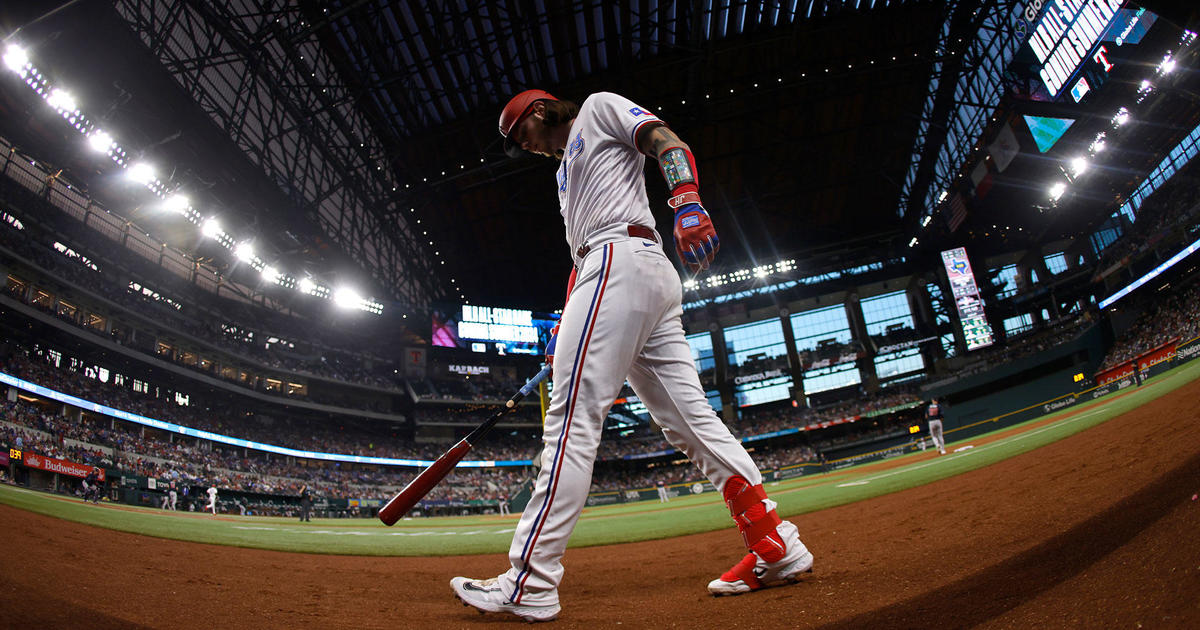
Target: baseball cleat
(753,573)
(486,596)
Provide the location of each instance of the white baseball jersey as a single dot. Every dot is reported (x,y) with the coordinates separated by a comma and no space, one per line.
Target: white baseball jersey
(599,187)
(212,495)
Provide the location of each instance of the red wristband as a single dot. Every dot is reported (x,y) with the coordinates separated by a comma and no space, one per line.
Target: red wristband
(684,197)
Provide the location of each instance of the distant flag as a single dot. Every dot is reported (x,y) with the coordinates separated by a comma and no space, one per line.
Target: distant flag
(1004,148)
(955,212)
(981,178)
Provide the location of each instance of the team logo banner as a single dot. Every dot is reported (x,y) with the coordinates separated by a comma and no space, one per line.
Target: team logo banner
(50,464)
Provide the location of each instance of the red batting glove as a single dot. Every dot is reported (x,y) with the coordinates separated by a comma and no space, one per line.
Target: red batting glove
(696,241)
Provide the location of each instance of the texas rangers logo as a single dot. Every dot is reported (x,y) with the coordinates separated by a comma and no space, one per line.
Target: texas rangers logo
(576,146)
(573,151)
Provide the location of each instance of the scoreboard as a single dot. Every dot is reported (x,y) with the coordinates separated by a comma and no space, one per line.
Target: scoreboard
(975,327)
(1065,36)
(491,329)
(1072,45)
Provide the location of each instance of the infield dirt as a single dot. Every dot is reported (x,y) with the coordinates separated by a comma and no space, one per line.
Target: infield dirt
(1096,530)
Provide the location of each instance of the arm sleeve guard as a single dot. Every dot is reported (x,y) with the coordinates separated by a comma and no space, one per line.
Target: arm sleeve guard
(679,169)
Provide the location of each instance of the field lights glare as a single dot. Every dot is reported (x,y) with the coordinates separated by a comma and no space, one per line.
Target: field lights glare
(177,203)
(1098,146)
(1057,190)
(270,274)
(1121,118)
(15,58)
(62,100)
(1078,166)
(244,251)
(306,286)
(346,298)
(211,228)
(1167,66)
(141,173)
(100,141)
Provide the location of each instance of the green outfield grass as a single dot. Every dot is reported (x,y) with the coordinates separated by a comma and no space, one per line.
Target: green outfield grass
(599,525)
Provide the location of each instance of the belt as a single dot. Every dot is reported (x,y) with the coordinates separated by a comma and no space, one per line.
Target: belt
(636,231)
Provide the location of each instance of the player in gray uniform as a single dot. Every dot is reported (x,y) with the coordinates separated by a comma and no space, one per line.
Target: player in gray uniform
(934,415)
(622,320)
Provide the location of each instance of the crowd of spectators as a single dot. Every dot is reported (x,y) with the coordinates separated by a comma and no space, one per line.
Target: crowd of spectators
(366,437)
(762,420)
(494,386)
(1176,316)
(1169,208)
(101,440)
(1052,334)
(115,444)
(247,343)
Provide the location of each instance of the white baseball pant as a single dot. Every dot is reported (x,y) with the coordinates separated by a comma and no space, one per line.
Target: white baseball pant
(935,432)
(622,321)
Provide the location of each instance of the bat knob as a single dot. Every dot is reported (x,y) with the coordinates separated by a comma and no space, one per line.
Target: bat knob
(510,404)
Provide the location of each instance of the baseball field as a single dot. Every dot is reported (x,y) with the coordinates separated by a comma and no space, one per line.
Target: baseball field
(1084,518)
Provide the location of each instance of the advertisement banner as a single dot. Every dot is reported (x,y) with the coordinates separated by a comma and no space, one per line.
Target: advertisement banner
(1187,350)
(1115,373)
(1163,353)
(1059,403)
(49,464)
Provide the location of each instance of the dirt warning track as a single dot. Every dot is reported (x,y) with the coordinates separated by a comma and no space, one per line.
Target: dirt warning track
(1098,529)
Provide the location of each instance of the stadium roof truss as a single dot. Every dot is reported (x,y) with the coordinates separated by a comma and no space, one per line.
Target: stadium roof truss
(975,45)
(331,99)
(280,100)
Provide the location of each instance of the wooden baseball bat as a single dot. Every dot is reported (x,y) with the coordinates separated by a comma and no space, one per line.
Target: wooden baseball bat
(430,477)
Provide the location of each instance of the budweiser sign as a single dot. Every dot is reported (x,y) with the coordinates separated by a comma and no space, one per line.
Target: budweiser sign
(62,466)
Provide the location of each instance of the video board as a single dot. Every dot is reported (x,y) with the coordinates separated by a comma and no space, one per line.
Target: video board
(975,327)
(491,329)
(1073,45)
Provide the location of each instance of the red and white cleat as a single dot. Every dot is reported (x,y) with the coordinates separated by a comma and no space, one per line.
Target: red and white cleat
(754,573)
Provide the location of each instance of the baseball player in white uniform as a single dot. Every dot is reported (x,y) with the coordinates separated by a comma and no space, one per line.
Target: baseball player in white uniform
(170,498)
(934,415)
(622,320)
(663,497)
(212,499)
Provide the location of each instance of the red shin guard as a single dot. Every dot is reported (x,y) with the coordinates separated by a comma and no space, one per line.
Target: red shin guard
(757,525)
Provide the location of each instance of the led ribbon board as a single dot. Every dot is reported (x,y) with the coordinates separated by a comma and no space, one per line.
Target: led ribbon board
(1065,36)
(1133,286)
(120,414)
(976,329)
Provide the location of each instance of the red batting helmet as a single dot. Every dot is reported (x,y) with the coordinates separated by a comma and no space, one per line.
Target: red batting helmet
(517,109)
